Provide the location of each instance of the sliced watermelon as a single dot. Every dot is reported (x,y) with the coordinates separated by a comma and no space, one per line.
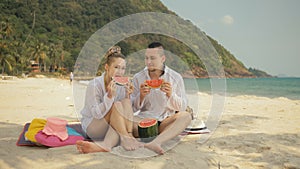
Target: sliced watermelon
(148,129)
(121,80)
(154,83)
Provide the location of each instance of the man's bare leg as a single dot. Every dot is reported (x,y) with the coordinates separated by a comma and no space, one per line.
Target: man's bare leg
(169,128)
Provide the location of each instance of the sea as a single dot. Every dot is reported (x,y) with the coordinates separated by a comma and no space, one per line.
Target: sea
(264,87)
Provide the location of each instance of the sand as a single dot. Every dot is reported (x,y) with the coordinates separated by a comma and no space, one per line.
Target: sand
(254,132)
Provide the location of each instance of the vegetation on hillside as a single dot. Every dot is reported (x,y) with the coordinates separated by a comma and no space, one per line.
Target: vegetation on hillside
(51,33)
(258,73)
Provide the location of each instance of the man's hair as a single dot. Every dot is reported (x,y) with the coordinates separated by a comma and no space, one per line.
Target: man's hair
(157,45)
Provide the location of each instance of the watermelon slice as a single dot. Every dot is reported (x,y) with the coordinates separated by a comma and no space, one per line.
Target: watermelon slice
(121,80)
(148,129)
(155,83)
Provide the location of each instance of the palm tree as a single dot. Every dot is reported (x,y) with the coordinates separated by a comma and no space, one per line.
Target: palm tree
(21,59)
(53,56)
(6,62)
(56,55)
(39,55)
(23,62)
(32,27)
(6,30)
(5,59)
(44,60)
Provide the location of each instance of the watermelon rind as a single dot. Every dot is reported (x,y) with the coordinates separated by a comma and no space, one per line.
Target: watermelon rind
(148,133)
(120,83)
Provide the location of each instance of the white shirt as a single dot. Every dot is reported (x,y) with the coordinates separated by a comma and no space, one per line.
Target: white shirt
(97,103)
(156,104)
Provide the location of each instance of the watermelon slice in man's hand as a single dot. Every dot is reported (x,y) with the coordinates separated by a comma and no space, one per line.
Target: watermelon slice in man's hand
(155,83)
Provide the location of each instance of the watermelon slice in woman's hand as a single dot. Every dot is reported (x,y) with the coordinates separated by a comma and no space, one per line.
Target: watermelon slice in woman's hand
(155,83)
(121,80)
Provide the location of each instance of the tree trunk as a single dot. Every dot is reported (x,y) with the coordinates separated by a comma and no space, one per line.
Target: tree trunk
(45,67)
(3,67)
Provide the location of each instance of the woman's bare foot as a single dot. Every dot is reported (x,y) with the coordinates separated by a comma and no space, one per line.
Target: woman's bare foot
(155,147)
(89,147)
(130,143)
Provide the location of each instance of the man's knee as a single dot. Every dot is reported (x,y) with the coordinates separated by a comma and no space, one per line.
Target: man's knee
(183,115)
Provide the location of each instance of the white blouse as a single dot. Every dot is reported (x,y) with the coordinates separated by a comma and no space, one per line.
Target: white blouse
(97,103)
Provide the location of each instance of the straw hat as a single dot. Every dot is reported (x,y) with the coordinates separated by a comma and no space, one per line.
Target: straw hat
(57,127)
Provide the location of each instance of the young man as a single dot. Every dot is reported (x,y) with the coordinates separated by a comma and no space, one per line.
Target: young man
(167,105)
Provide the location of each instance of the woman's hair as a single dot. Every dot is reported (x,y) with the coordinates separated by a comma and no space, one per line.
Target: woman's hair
(113,53)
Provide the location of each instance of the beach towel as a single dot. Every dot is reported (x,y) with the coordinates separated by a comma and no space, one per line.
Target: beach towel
(22,141)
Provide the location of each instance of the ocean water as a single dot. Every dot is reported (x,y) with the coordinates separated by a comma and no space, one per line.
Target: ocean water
(266,87)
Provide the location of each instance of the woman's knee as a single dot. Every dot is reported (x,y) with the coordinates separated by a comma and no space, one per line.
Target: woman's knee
(126,101)
(97,128)
(117,107)
(117,104)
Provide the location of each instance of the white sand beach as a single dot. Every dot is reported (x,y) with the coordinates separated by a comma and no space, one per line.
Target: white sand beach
(254,132)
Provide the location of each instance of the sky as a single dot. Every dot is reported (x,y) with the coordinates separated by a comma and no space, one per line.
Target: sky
(262,34)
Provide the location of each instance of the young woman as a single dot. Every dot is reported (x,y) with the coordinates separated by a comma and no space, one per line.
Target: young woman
(107,116)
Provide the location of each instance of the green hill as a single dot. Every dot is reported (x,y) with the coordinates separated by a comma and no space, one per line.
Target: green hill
(52,33)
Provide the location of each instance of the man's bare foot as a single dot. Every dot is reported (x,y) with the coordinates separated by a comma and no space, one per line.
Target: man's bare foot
(130,143)
(89,147)
(155,147)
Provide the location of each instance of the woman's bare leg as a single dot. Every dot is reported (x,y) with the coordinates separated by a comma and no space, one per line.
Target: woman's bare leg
(99,129)
(136,121)
(111,139)
(128,115)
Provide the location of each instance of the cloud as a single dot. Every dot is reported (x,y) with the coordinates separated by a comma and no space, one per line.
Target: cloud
(227,20)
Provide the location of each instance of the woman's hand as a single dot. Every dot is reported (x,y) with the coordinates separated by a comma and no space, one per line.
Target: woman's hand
(111,89)
(129,89)
(167,88)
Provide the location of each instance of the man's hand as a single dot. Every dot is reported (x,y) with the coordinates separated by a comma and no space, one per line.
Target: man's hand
(167,88)
(144,90)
